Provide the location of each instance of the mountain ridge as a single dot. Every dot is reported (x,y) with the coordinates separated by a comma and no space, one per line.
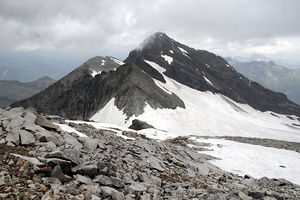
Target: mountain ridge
(197,69)
(12,91)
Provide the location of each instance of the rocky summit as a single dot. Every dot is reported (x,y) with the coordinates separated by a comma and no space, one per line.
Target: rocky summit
(41,160)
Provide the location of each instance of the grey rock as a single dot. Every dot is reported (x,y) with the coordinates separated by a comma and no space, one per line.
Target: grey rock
(145,196)
(92,189)
(32,160)
(86,170)
(72,154)
(45,123)
(116,182)
(26,137)
(103,180)
(137,187)
(58,173)
(127,178)
(72,141)
(88,143)
(256,194)
(51,180)
(139,125)
(83,179)
(47,136)
(49,146)
(111,192)
(155,164)
(66,165)
(2,182)
(13,137)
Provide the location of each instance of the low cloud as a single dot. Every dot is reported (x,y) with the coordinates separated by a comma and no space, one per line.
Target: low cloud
(115,27)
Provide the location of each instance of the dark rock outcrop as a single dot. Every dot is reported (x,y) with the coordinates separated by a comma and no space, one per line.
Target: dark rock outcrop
(80,95)
(139,125)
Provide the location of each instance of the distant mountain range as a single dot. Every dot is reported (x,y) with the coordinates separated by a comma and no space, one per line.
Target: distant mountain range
(271,75)
(12,91)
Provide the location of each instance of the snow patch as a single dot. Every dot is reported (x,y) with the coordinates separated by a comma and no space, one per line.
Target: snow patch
(109,127)
(117,61)
(94,73)
(208,81)
(255,160)
(110,113)
(159,84)
(103,62)
(171,51)
(227,65)
(156,66)
(183,50)
(167,58)
(69,129)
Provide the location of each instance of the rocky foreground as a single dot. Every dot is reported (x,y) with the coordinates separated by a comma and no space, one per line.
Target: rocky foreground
(41,161)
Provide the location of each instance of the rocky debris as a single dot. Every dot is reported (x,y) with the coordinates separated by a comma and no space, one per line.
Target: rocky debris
(139,125)
(61,165)
(279,144)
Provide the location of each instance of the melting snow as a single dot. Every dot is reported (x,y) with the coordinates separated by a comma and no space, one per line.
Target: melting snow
(117,61)
(156,66)
(255,160)
(183,50)
(159,84)
(94,73)
(206,79)
(110,113)
(69,129)
(167,58)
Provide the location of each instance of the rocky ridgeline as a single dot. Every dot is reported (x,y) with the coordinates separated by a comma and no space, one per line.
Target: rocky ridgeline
(40,161)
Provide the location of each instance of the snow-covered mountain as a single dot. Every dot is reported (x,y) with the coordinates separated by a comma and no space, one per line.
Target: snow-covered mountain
(181,91)
(173,87)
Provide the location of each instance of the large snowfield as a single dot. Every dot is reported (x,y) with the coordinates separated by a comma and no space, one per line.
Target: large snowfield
(208,114)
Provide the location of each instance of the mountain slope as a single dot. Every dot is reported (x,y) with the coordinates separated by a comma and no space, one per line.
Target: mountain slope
(91,86)
(12,91)
(190,92)
(204,71)
(272,76)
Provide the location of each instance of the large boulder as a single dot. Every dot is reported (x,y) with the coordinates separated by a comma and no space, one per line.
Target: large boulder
(139,125)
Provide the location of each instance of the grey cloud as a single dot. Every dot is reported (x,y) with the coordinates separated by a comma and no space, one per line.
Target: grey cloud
(118,26)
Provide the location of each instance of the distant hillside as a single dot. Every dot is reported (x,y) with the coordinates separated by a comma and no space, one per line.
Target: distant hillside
(272,76)
(12,91)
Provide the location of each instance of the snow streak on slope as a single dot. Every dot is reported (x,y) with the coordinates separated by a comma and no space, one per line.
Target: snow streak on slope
(254,160)
(69,129)
(117,61)
(110,114)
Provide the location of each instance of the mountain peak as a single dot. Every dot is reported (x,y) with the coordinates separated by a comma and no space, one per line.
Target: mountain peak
(157,39)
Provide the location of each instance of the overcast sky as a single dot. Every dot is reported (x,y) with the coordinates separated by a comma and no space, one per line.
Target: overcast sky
(89,28)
